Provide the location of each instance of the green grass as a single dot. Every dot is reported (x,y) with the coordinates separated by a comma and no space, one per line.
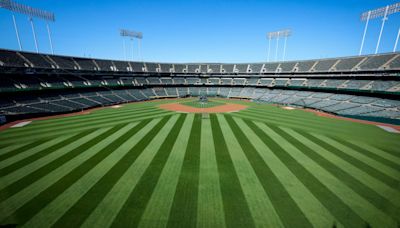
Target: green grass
(196,104)
(143,166)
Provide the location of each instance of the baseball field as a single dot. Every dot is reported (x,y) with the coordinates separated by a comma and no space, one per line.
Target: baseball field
(139,165)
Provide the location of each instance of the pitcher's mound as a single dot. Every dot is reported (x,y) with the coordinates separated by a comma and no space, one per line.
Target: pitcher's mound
(218,109)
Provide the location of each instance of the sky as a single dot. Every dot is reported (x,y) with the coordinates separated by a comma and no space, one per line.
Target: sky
(223,31)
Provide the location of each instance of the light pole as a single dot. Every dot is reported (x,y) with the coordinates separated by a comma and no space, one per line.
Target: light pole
(31,13)
(383,12)
(277,35)
(132,35)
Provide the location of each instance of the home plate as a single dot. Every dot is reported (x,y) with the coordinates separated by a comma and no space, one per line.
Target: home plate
(389,129)
(116,106)
(21,124)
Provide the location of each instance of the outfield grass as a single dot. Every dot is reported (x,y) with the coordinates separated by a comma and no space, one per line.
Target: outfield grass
(143,166)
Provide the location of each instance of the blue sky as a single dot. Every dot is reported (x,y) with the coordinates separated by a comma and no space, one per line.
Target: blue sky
(203,30)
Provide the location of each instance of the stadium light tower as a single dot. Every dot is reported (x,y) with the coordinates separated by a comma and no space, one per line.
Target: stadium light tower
(31,13)
(277,35)
(132,35)
(377,13)
(269,36)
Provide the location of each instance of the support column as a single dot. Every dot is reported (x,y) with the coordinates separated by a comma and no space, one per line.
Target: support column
(365,32)
(383,25)
(284,49)
(34,34)
(17,33)
(397,40)
(277,47)
(269,48)
(50,40)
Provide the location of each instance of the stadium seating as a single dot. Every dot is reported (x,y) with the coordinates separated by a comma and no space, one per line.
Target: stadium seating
(348,64)
(255,68)
(305,66)
(366,86)
(325,65)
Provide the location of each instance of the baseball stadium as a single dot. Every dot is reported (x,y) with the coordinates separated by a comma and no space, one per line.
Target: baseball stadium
(104,142)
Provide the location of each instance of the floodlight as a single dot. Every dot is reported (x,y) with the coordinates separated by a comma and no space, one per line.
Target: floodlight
(276,35)
(376,13)
(27,10)
(31,13)
(131,34)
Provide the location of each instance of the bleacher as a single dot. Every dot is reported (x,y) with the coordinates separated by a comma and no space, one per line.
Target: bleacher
(325,65)
(39,83)
(256,68)
(12,59)
(179,68)
(287,66)
(214,68)
(241,68)
(348,63)
(152,67)
(376,62)
(105,65)
(39,61)
(305,66)
(193,68)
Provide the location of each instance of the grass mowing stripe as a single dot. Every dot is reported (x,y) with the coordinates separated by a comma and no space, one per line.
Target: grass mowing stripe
(184,207)
(88,118)
(134,206)
(283,114)
(161,200)
(11,162)
(87,124)
(369,178)
(83,189)
(20,173)
(81,210)
(35,175)
(372,167)
(21,149)
(303,124)
(358,205)
(63,169)
(210,207)
(389,155)
(30,158)
(81,128)
(105,212)
(19,199)
(295,161)
(287,210)
(371,189)
(30,152)
(317,214)
(11,147)
(369,154)
(28,210)
(263,211)
(237,211)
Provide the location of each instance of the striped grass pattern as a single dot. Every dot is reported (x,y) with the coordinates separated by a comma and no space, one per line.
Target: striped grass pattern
(140,166)
(197,104)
